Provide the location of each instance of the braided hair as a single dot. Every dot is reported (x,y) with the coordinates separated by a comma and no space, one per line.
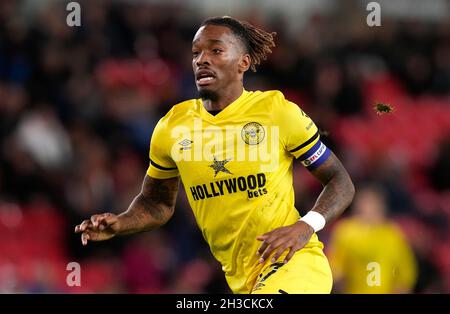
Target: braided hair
(258,42)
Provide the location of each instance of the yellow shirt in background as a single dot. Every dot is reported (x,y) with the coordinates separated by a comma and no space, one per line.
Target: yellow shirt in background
(371,258)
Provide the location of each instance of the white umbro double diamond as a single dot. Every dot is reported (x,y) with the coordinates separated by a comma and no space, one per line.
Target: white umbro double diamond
(185,144)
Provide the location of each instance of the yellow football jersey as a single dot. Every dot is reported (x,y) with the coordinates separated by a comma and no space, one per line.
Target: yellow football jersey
(236,168)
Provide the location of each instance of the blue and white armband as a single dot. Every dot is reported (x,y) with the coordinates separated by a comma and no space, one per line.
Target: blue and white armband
(315,156)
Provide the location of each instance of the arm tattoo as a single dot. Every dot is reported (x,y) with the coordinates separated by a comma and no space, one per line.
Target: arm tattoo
(153,207)
(338,190)
(160,191)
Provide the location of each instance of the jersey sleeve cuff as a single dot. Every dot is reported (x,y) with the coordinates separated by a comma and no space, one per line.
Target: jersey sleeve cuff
(305,146)
(157,171)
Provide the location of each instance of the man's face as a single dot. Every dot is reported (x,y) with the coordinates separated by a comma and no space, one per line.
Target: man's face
(369,205)
(216,59)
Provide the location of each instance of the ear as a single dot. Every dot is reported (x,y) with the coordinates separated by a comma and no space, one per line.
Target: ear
(244,63)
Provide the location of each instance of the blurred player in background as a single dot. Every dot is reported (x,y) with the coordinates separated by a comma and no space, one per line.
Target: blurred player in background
(244,208)
(369,237)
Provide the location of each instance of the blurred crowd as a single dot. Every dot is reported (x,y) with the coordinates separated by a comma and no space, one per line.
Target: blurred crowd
(78,106)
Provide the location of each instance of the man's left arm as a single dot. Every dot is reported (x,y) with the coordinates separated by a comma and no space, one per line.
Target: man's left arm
(335,197)
(338,190)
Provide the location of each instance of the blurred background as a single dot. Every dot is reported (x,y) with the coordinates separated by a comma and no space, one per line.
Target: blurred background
(78,106)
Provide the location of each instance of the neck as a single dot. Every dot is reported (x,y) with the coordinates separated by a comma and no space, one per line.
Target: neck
(224,100)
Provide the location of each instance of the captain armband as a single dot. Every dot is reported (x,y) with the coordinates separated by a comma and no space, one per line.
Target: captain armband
(315,156)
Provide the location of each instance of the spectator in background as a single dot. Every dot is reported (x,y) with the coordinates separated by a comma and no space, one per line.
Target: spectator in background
(367,237)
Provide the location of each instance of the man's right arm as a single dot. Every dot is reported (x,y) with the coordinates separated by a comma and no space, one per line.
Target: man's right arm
(151,208)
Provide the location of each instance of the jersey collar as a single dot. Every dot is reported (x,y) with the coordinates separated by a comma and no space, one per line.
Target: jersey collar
(226,112)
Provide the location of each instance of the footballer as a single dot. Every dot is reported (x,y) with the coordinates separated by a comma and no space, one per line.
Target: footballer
(233,150)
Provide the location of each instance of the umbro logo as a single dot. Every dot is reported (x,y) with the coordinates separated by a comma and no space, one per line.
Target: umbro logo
(185,144)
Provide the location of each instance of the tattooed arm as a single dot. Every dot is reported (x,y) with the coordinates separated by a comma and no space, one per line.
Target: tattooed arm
(151,208)
(336,196)
(338,190)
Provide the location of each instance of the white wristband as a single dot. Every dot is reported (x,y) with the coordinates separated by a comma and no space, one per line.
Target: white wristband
(315,220)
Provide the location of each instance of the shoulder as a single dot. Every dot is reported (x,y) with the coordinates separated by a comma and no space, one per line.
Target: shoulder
(394,230)
(282,109)
(272,101)
(279,101)
(272,95)
(347,227)
(178,112)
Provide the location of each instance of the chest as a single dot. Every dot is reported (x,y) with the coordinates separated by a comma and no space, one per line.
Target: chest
(242,147)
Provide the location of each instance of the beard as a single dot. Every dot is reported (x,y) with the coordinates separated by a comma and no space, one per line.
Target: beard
(206,94)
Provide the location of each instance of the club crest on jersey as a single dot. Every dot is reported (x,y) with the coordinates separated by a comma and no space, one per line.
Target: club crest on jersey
(253,133)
